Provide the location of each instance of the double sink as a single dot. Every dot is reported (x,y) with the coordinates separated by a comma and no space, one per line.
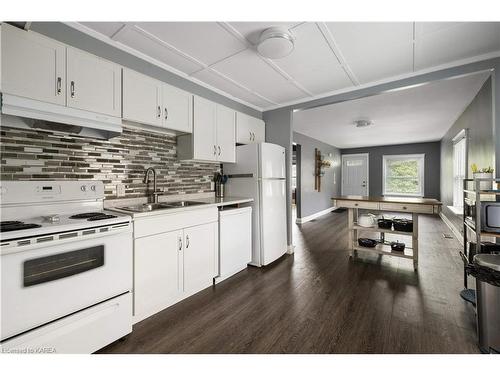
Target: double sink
(147,207)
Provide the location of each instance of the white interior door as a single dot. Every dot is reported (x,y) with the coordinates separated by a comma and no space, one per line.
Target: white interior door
(355,174)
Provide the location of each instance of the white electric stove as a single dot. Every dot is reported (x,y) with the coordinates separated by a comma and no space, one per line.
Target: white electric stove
(66,267)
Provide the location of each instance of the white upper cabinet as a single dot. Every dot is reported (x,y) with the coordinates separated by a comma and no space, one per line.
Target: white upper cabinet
(142,98)
(213,137)
(33,66)
(149,101)
(93,84)
(177,109)
(204,130)
(225,135)
(249,129)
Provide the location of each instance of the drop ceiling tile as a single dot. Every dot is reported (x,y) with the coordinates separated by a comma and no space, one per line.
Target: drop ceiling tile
(213,79)
(454,43)
(312,63)
(252,30)
(426,28)
(207,42)
(133,38)
(250,71)
(106,28)
(375,50)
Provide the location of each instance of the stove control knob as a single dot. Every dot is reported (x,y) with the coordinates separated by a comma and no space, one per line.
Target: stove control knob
(83,188)
(92,188)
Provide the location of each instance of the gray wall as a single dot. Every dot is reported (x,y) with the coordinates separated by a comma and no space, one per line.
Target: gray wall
(312,201)
(77,39)
(279,131)
(431,168)
(477,117)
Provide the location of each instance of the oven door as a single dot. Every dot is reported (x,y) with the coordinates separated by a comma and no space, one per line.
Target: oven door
(43,284)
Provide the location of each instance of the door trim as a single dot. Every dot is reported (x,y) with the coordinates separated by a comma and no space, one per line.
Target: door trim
(365,154)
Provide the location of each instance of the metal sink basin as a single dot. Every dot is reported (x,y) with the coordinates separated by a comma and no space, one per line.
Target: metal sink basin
(147,207)
(184,203)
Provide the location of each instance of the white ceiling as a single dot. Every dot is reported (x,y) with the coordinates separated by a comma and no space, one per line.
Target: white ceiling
(417,114)
(328,57)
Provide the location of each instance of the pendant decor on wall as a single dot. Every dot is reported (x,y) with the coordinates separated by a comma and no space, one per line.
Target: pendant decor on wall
(319,165)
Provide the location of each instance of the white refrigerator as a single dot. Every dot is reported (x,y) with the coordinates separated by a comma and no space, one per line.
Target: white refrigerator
(259,173)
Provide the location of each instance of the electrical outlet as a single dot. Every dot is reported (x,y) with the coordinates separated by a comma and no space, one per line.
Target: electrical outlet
(120,190)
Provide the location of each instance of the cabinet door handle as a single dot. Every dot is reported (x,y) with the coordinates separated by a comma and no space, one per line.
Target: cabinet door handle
(166,113)
(215,150)
(180,243)
(158,114)
(187,241)
(250,136)
(59,85)
(253,136)
(219,150)
(72,89)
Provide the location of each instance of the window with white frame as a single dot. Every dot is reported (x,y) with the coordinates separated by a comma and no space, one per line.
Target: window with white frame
(459,169)
(403,175)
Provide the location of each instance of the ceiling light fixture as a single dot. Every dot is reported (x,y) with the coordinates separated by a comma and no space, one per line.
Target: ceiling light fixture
(275,43)
(362,123)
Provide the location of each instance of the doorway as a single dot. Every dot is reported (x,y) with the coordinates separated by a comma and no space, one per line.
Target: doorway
(296,158)
(355,174)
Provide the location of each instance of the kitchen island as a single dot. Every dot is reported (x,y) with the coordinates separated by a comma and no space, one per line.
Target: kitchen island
(413,206)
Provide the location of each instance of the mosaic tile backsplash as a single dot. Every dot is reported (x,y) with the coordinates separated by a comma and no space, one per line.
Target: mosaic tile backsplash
(42,155)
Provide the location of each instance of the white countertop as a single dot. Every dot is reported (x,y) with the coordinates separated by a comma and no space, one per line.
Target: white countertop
(208,202)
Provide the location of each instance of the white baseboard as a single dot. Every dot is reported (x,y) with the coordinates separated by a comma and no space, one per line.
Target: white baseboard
(459,236)
(302,220)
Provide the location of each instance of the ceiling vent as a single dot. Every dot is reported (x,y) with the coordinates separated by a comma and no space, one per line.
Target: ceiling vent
(363,123)
(275,43)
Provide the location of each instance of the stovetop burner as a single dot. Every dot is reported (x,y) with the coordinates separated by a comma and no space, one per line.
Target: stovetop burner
(101,217)
(8,226)
(92,216)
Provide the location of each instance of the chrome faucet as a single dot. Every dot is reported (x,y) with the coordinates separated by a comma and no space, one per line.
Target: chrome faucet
(154,195)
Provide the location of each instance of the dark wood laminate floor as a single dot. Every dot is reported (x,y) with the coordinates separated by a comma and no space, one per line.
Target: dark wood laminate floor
(319,301)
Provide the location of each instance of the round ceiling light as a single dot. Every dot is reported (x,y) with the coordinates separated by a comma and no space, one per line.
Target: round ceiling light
(275,43)
(362,123)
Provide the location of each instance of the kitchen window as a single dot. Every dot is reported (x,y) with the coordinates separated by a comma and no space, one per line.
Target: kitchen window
(459,170)
(403,175)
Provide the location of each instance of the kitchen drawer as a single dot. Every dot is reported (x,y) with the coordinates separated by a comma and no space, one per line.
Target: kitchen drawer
(358,204)
(168,222)
(403,207)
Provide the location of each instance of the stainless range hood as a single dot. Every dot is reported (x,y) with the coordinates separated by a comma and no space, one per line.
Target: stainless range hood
(18,112)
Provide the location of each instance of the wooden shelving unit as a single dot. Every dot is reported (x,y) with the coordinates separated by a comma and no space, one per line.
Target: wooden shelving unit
(472,223)
(410,252)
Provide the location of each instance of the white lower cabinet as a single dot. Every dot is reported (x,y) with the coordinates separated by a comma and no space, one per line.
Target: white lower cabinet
(199,257)
(175,256)
(158,272)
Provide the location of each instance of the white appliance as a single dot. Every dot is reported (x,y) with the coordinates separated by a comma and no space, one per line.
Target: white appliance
(66,268)
(27,113)
(259,173)
(235,241)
